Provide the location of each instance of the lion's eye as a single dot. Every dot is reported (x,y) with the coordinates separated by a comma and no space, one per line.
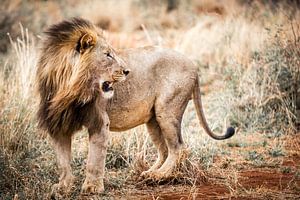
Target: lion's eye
(108,55)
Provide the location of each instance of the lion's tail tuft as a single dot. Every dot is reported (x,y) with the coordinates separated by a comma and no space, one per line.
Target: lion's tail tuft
(198,104)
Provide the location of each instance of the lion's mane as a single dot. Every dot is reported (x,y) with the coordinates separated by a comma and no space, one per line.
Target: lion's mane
(65,81)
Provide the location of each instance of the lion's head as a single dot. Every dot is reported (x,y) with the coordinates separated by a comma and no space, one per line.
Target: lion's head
(76,66)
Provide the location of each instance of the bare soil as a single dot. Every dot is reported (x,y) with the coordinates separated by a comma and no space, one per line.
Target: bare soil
(271,181)
(257,183)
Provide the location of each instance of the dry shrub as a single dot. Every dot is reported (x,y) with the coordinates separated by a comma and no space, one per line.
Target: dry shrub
(257,60)
(262,97)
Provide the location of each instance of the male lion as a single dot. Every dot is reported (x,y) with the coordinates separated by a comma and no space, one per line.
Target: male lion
(76,70)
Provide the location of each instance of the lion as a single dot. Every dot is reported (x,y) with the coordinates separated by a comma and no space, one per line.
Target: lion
(83,81)
(75,74)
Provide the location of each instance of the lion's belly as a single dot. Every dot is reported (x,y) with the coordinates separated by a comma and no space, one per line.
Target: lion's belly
(123,118)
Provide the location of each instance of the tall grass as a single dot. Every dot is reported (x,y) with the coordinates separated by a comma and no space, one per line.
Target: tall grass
(17,106)
(24,61)
(20,142)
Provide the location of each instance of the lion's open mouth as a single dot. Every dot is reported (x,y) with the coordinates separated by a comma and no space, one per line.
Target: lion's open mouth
(107,86)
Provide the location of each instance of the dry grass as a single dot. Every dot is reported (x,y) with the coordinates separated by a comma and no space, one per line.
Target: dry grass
(223,40)
(250,74)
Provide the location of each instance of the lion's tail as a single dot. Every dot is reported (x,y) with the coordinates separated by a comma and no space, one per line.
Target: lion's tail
(198,105)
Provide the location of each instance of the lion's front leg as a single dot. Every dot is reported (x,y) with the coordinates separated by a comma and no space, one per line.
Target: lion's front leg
(62,146)
(98,141)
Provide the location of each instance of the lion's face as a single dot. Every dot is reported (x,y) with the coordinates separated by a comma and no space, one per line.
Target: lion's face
(106,66)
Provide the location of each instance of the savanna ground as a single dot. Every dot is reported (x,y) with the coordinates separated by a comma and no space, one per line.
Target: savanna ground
(248,53)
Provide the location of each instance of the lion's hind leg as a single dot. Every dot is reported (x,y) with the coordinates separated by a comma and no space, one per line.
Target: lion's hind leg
(62,146)
(169,110)
(172,135)
(160,144)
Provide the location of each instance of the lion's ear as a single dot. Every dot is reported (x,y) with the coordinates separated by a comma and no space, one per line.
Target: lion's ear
(85,42)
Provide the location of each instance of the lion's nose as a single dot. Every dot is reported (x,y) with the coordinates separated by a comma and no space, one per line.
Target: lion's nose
(126,71)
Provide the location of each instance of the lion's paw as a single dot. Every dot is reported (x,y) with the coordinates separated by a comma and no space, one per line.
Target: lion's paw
(59,189)
(63,186)
(145,174)
(154,175)
(92,188)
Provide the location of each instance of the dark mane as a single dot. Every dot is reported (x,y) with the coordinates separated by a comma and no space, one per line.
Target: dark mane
(61,108)
(62,31)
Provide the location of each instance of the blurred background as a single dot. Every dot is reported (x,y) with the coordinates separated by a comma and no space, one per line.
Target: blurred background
(248,54)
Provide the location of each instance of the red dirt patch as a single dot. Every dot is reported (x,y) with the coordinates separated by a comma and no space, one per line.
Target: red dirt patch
(282,182)
(292,161)
(168,192)
(270,180)
(267,179)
